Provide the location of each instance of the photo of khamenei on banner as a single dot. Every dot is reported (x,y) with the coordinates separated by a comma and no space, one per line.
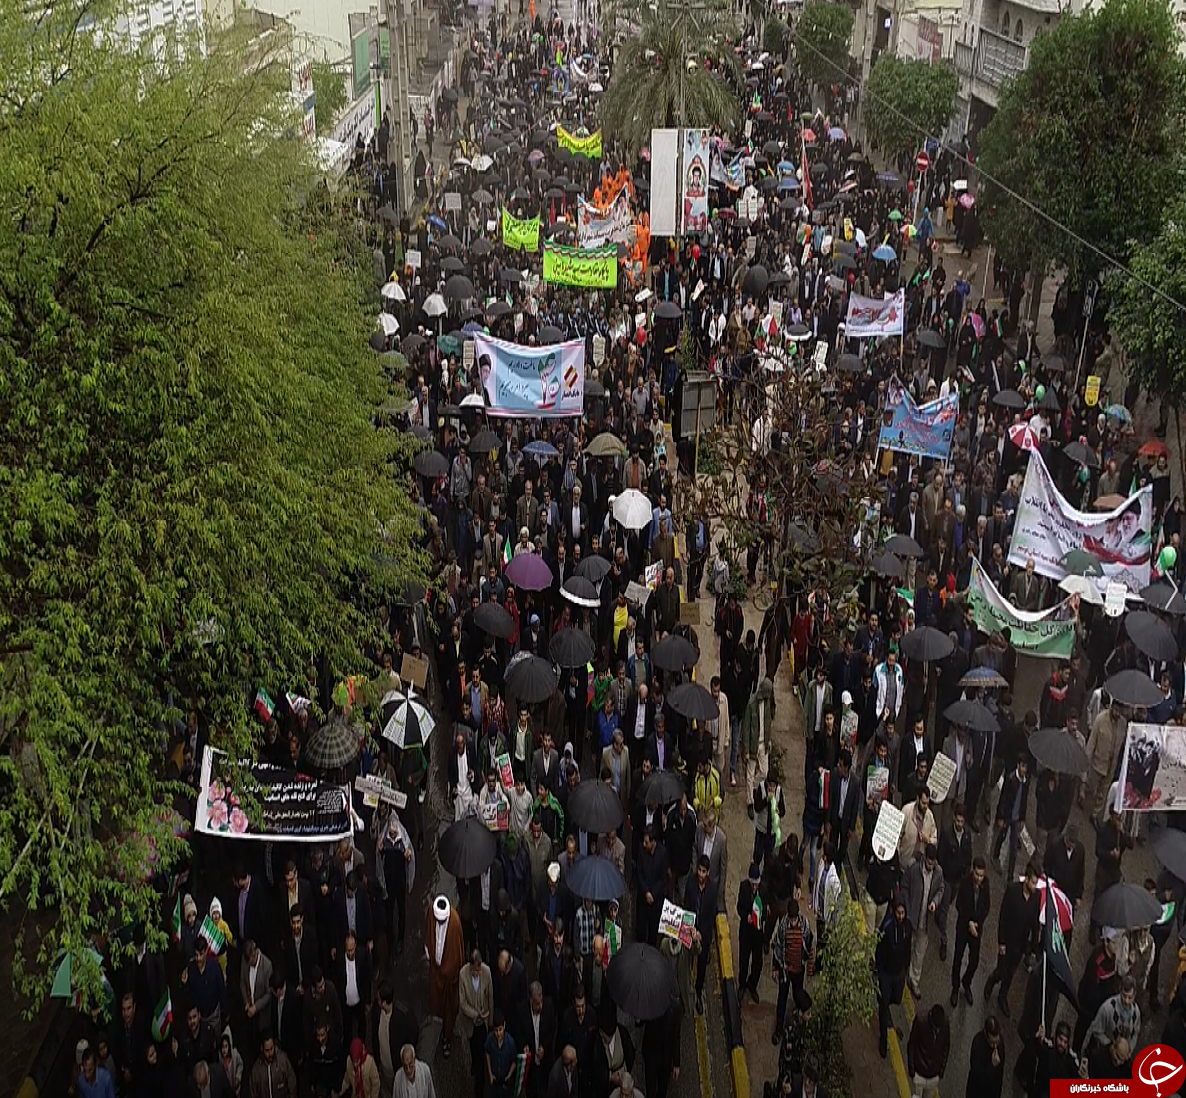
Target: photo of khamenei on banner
(531,381)
(1047,527)
(1153,769)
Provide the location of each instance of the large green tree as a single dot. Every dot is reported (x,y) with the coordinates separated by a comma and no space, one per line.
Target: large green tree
(1084,150)
(195,500)
(822,36)
(676,70)
(904,96)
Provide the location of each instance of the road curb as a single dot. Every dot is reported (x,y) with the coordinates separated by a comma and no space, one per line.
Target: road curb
(731,1004)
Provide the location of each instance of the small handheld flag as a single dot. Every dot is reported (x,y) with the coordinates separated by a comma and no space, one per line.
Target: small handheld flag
(264,705)
(162,1018)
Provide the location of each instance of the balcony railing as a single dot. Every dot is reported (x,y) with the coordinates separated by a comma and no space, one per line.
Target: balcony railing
(998,58)
(964,58)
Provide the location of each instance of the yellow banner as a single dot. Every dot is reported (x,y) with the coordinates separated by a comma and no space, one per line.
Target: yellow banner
(520,232)
(582,146)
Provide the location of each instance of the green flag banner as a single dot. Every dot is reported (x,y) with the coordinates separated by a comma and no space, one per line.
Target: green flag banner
(1048,633)
(520,233)
(589,268)
(589,146)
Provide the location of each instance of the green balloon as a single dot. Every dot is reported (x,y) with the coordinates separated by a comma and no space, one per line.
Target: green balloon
(1167,559)
(1039,393)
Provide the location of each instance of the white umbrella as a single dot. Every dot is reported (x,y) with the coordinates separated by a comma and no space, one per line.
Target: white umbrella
(388,324)
(461,162)
(596,88)
(393,291)
(632,509)
(471,400)
(435,305)
(406,714)
(482,163)
(1082,586)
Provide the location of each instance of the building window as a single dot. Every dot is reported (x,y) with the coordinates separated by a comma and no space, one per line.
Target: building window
(1005,24)
(1017,31)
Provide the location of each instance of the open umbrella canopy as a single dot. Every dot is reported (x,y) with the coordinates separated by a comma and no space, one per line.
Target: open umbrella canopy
(632,509)
(1151,636)
(459,288)
(530,572)
(902,545)
(594,806)
(662,787)
(406,720)
(1133,688)
(1080,562)
(1009,398)
(467,848)
(484,441)
(1078,452)
(674,653)
(983,678)
(430,463)
(550,334)
(641,981)
(494,620)
(580,591)
(1057,749)
(334,745)
(972,715)
(928,337)
(606,445)
(595,878)
(927,644)
(594,568)
(1125,907)
(757,278)
(434,305)
(888,566)
(571,648)
(1163,596)
(1169,846)
(541,449)
(668,310)
(691,700)
(531,681)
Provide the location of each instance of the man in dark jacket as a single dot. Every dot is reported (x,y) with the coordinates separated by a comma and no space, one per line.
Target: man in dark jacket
(986,1062)
(650,877)
(1016,930)
(1065,863)
(1012,806)
(534,1029)
(955,859)
(972,905)
(700,898)
(927,1050)
(892,959)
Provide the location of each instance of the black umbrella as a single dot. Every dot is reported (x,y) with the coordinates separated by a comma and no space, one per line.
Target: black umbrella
(481,246)
(571,648)
(1170,848)
(467,848)
(1163,596)
(769,183)
(334,745)
(510,274)
(594,567)
(1009,398)
(691,700)
(928,337)
(497,309)
(641,981)
(452,264)
(549,333)
(662,787)
(1050,402)
(927,644)
(1055,364)
(1133,688)
(971,715)
(595,878)
(531,681)
(806,541)
(495,620)
(594,806)
(1058,750)
(673,653)
(580,591)
(849,364)
(1151,636)
(1078,452)
(888,566)
(459,288)
(412,342)
(378,341)
(844,262)
(669,310)
(902,545)
(430,463)
(483,442)
(757,278)
(1125,907)
(449,243)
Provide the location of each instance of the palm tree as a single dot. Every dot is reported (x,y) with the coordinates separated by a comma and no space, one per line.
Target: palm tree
(678,57)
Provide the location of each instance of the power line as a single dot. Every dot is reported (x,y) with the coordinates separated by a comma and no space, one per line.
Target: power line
(1110,260)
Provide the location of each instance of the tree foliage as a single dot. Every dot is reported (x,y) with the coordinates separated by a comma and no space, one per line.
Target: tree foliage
(329,85)
(1090,133)
(903,96)
(195,498)
(822,36)
(675,58)
(775,34)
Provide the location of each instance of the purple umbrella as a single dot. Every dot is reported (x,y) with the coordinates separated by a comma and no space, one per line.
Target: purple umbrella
(530,571)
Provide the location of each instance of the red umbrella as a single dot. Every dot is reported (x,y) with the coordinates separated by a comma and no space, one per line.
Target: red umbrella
(967,200)
(808,134)
(1024,437)
(1062,904)
(1154,449)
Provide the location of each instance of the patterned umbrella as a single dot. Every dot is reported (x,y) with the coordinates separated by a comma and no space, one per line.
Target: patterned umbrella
(1024,437)
(334,745)
(406,722)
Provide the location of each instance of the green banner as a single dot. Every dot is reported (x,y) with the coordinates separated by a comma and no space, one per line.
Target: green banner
(589,146)
(590,268)
(1047,633)
(520,233)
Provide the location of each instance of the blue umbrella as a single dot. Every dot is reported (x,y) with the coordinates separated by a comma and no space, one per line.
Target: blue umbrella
(542,449)
(786,167)
(473,326)
(837,134)
(885,252)
(596,878)
(789,184)
(438,223)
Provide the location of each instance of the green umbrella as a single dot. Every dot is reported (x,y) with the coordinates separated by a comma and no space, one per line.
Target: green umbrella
(895,215)
(448,345)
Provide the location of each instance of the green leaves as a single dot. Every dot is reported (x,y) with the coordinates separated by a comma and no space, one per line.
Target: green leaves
(193,488)
(1090,133)
(903,96)
(822,38)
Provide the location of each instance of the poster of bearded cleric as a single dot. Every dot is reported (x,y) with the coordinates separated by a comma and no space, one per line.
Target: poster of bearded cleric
(531,381)
(1153,769)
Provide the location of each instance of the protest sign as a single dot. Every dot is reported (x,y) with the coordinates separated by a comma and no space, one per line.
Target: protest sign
(412,258)
(926,430)
(877,783)
(595,268)
(599,226)
(452,200)
(520,233)
(505,773)
(589,146)
(1153,769)
(1046,633)
(537,381)
(940,778)
(374,789)
(414,670)
(675,922)
(869,316)
(887,831)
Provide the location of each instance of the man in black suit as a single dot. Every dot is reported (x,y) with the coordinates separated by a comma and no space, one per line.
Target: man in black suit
(510,986)
(557,967)
(534,1028)
(578,1030)
(300,950)
(1065,862)
(352,978)
(352,910)
(632,724)
(288,1019)
(249,913)
(392,1027)
(564,1081)
(844,804)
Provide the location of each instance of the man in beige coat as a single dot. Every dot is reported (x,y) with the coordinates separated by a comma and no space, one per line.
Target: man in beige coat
(475,997)
(1103,750)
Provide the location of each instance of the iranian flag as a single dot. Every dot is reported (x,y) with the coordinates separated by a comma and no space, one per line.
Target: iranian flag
(522,1072)
(756,912)
(296,703)
(215,938)
(507,553)
(177,919)
(264,705)
(162,1018)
